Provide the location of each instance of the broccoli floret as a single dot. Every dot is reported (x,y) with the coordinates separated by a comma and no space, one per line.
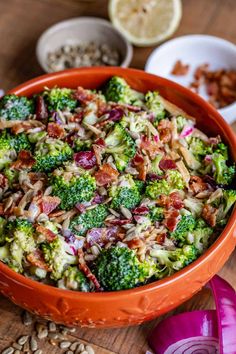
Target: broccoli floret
(7,152)
(119,269)
(200,235)
(186,224)
(120,144)
(74,279)
(230,199)
(181,123)
(20,240)
(60,98)
(117,90)
(92,218)
(14,107)
(12,175)
(35,137)
(4,253)
(156,214)
(194,205)
(51,154)
(82,145)
(155,165)
(171,261)
(76,190)
(175,180)
(199,148)
(127,193)
(223,174)
(2,230)
(222,149)
(21,142)
(56,257)
(153,103)
(156,188)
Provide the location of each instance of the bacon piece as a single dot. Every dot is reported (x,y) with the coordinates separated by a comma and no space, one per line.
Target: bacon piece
(24,160)
(141,166)
(180,69)
(49,203)
(160,239)
(55,131)
(164,129)
(118,222)
(151,147)
(85,159)
(3,181)
(105,175)
(171,220)
(173,200)
(48,234)
(41,108)
(197,185)
(36,259)
(83,95)
(135,243)
(26,125)
(85,269)
(209,214)
(167,164)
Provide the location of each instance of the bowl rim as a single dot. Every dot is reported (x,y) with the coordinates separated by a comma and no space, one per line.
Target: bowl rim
(228,231)
(83,19)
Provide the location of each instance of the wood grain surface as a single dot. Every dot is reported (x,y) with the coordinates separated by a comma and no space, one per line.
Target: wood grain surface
(21,22)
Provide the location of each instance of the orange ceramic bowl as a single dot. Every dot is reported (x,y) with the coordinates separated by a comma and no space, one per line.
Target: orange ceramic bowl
(129,307)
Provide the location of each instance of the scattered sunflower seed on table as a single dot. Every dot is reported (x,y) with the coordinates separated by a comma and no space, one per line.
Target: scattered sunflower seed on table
(82,54)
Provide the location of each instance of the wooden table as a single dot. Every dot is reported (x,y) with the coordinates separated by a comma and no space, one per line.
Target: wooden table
(21,22)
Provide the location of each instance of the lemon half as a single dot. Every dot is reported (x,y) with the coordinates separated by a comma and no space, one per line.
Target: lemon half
(145,22)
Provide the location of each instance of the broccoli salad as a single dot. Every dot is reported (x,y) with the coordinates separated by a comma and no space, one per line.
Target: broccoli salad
(109,189)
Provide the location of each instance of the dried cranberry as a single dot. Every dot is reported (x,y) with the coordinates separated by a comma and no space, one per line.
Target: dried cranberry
(85,159)
(141,210)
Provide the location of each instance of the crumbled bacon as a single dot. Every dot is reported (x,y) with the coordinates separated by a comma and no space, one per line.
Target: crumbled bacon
(180,69)
(106,174)
(85,269)
(83,95)
(3,181)
(48,234)
(167,164)
(102,236)
(149,146)
(209,214)
(36,259)
(55,131)
(41,108)
(160,239)
(118,222)
(172,218)
(165,130)
(197,184)
(173,200)
(49,203)
(141,166)
(135,243)
(24,160)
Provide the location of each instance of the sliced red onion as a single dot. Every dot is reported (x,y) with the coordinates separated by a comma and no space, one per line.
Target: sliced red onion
(85,159)
(98,199)
(153,177)
(208,158)
(156,138)
(116,114)
(225,300)
(56,118)
(210,331)
(190,332)
(187,130)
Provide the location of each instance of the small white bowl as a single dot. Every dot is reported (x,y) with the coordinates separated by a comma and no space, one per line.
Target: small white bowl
(82,29)
(194,50)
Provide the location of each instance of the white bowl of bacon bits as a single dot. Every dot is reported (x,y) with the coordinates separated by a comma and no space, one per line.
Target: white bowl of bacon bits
(205,64)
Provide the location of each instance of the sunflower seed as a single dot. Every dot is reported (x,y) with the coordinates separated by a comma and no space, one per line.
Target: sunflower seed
(114,212)
(27,318)
(69,352)
(17,346)
(74,346)
(8,350)
(125,212)
(81,347)
(17,352)
(89,349)
(52,327)
(33,344)
(84,352)
(26,347)
(22,340)
(53,335)
(39,351)
(65,344)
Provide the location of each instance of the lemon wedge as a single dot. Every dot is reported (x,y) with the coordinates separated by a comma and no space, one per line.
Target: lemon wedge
(145,22)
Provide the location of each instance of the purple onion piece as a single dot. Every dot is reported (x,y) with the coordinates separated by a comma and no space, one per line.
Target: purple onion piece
(116,114)
(56,118)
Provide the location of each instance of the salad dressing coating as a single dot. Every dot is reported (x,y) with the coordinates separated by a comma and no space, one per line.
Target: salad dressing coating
(107,190)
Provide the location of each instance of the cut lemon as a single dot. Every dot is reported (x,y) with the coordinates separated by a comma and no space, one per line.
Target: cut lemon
(145,22)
